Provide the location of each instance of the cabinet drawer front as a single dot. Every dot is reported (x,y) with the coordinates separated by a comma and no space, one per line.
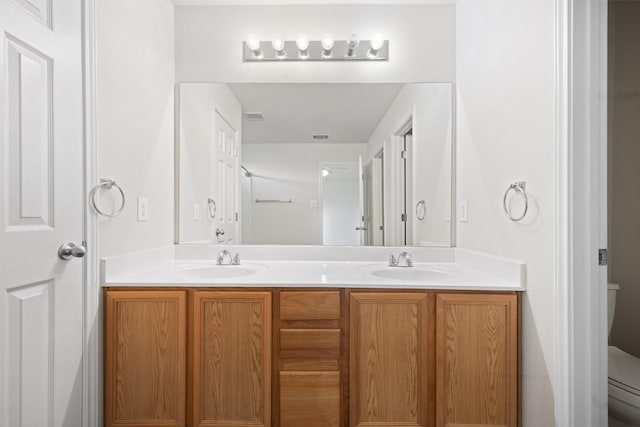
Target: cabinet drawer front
(316,343)
(310,305)
(310,399)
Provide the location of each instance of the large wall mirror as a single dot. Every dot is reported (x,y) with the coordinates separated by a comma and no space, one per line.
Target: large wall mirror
(315,164)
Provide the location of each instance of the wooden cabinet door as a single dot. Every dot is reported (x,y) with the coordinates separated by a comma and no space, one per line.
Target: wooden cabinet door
(145,355)
(392,359)
(232,358)
(477,360)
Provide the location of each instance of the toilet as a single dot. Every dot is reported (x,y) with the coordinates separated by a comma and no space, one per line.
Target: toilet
(624,377)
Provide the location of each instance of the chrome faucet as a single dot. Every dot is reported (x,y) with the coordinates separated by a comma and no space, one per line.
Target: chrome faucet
(225,258)
(403,260)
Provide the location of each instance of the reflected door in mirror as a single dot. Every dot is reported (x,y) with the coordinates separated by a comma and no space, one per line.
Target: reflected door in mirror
(225,177)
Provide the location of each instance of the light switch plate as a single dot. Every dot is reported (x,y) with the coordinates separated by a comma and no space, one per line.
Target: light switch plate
(313,203)
(196,212)
(464,211)
(143,209)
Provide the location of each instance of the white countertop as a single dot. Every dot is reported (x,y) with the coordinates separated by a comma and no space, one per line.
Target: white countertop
(308,266)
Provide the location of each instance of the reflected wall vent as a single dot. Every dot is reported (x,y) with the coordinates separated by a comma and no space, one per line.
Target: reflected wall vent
(254,115)
(320,136)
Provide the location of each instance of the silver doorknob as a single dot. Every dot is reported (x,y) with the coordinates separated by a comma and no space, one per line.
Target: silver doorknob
(219,232)
(69,250)
(361,228)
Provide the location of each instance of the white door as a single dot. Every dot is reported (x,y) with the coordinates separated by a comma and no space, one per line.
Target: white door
(41,207)
(225,181)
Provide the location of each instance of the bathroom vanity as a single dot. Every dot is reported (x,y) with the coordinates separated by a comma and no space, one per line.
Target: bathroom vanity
(311,340)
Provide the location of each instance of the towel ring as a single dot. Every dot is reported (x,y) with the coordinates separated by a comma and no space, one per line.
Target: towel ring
(518,187)
(106,184)
(210,201)
(424,210)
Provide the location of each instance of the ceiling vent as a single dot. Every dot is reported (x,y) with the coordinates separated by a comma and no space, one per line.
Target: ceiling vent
(318,136)
(254,116)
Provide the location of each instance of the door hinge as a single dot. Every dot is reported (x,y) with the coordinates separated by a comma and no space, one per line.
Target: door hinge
(403,154)
(237,216)
(403,217)
(603,257)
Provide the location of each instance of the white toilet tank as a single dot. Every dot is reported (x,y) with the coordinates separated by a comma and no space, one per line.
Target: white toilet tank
(612,288)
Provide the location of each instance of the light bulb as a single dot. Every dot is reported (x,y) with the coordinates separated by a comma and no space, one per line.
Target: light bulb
(253,42)
(377,42)
(352,44)
(278,44)
(327,42)
(302,42)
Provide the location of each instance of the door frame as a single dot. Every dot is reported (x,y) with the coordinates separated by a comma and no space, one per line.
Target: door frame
(581,329)
(581,213)
(92,407)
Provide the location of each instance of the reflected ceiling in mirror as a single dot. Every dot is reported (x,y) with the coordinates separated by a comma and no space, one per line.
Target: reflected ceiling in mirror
(315,164)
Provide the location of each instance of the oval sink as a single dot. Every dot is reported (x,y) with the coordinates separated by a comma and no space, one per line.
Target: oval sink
(411,274)
(218,271)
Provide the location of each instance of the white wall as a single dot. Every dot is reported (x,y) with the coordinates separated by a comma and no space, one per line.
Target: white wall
(289,171)
(624,174)
(197,101)
(209,41)
(505,133)
(135,79)
(431,108)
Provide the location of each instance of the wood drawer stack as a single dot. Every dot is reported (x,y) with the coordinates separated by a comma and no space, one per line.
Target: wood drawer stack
(309,361)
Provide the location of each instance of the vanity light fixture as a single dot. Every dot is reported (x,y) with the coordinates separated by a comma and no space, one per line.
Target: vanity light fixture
(325,49)
(253,43)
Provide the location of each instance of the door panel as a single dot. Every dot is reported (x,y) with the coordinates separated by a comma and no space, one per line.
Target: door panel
(30,353)
(29,101)
(41,170)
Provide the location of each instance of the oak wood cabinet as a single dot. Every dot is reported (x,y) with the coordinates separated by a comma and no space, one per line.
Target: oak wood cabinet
(231,382)
(477,360)
(225,358)
(392,359)
(311,358)
(145,358)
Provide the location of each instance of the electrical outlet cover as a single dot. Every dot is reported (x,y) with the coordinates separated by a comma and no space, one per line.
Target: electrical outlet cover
(143,209)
